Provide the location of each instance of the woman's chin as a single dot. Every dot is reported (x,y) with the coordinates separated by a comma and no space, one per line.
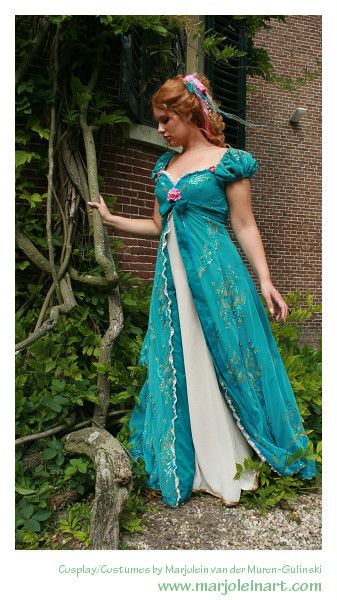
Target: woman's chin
(172,143)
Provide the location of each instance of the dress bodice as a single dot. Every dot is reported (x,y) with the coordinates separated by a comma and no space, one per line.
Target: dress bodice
(202,191)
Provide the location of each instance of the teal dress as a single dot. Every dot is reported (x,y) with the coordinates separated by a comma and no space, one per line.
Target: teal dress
(247,363)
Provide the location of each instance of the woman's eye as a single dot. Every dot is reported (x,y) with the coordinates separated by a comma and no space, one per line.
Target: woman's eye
(165,120)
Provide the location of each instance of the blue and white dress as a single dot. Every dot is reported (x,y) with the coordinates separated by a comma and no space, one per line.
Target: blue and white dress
(216,388)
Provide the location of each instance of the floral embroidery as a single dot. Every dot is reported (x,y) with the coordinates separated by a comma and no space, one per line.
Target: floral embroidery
(212,169)
(231,299)
(209,250)
(253,370)
(198,178)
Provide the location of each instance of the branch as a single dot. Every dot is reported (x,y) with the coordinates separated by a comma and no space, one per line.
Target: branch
(116,321)
(114,329)
(94,280)
(88,138)
(49,324)
(31,251)
(74,168)
(44,434)
(53,67)
(42,263)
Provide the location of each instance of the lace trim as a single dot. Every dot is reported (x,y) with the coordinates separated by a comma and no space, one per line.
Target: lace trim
(240,426)
(169,301)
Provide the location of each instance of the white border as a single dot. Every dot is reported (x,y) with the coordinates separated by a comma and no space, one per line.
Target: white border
(34,574)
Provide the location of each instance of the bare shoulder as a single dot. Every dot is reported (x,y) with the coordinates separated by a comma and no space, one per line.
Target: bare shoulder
(216,153)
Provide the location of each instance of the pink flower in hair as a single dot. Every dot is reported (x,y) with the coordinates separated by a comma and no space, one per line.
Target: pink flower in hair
(173,195)
(198,84)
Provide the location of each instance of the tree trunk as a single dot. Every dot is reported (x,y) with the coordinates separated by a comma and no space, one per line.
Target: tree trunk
(113,481)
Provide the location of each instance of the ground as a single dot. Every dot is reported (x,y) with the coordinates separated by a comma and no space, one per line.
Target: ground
(203,523)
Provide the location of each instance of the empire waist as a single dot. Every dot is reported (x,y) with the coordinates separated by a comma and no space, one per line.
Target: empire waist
(184,209)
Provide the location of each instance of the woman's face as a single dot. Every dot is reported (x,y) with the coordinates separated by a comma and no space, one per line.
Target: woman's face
(172,127)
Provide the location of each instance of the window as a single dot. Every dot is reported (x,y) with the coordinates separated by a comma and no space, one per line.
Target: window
(147,59)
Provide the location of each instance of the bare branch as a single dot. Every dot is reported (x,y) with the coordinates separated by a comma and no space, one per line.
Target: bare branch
(44,434)
(31,251)
(42,263)
(49,324)
(94,280)
(114,329)
(53,68)
(74,168)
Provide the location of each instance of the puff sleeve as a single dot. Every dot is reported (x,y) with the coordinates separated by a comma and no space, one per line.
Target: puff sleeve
(235,165)
(161,163)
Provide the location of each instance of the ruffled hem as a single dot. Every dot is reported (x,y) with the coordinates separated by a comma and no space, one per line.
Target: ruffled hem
(174,470)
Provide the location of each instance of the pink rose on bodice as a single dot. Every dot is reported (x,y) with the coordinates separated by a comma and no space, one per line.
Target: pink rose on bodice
(173,195)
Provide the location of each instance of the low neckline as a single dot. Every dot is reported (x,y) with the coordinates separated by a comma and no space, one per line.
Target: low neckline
(164,172)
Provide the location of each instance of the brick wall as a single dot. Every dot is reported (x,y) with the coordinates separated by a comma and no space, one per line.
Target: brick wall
(127,175)
(287,189)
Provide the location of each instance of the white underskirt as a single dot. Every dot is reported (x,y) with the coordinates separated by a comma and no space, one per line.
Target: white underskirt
(218,442)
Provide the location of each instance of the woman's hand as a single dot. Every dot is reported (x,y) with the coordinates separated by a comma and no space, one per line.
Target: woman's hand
(102,208)
(272,296)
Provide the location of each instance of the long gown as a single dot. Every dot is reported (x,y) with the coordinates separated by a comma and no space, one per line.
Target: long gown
(216,389)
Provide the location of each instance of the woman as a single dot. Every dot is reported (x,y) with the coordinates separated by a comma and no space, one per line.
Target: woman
(217,390)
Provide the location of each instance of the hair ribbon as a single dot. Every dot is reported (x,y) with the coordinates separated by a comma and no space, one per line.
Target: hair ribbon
(195,86)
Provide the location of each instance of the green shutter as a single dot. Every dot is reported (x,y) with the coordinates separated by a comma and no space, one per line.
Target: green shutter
(143,69)
(131,72)
(228,80)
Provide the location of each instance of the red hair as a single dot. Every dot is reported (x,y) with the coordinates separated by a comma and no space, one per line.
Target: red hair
(173,96)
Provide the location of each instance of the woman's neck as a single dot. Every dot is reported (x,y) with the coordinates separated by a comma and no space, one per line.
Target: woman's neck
(195,142)
(196,146)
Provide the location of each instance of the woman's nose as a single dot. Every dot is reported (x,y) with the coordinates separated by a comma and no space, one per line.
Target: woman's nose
(161,128)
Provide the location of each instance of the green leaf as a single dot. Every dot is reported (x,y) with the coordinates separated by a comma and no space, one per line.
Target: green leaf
(26,86)
(22,157)
(43,132)
(49,453)
(22,137)
(33,525)
(24,491)
(26,510)
(42,515)
(118,116)
(35,199)
(50,364)
(22,265)
(58,385)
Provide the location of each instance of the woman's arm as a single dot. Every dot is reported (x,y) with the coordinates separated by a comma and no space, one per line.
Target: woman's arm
(247,233)
(150,228)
